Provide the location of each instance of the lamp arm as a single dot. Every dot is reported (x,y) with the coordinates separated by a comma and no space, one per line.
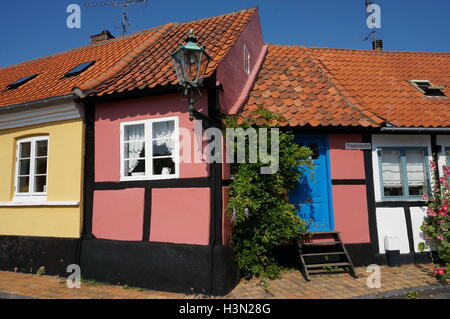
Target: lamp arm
(194,114)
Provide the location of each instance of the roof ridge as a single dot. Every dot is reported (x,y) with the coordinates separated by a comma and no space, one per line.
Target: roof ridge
(235,20)
(86,88)
(357,50)
(220,15)
(90,45)
(352,102)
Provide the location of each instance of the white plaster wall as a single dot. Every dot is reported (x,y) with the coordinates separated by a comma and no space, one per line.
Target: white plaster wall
(382,140)
(417,216)
(444,141)
(391,222)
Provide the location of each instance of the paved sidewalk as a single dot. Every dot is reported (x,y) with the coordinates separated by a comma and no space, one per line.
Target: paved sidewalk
(290,285)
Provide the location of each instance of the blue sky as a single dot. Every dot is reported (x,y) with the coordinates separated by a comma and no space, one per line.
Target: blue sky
(31,29)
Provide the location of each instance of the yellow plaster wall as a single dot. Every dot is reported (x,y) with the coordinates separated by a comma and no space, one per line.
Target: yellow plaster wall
(65,167)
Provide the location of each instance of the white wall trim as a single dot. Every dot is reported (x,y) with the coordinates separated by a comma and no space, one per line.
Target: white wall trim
(39,116)
(39,203)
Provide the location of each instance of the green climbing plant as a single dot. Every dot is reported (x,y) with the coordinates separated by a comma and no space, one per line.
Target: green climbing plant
(263,218)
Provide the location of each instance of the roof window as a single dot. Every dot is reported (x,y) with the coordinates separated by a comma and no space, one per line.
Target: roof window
(20,82)
(79,69)
(427,88)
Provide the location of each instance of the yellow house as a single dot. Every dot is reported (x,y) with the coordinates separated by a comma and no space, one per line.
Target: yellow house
(42,134)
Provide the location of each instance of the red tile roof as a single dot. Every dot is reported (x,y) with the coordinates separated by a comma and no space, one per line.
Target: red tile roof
(135,61)
(378,81)
(154,67)
(109,55)
(292,85)
(331,87)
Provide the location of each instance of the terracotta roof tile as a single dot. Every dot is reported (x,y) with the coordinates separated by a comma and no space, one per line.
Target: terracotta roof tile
(377,82)
(331,87)
(110,56)
(137,61)
(154,66)
(312,99)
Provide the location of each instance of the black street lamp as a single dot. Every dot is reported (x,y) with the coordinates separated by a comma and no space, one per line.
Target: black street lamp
(191,62)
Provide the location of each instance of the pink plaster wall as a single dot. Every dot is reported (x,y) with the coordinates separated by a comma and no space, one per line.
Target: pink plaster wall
(346,164)
(231,69)
(118,214)
(107,131)
(226,220)
(350,213)
(180,215)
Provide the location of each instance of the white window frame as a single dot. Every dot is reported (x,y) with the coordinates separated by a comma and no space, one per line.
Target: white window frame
(247,66)
(148,125)
(30,195)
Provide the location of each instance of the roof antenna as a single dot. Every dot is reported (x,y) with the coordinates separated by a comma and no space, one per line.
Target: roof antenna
(373,20)
(124,4)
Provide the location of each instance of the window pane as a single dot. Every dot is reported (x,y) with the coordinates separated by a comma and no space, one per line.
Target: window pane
(41,148)
(24,184)
(392,173)
(448,157)
(315,150)
(134,150)
(41,166)
(163,166)
(134,132)
(25,149)
(163,129)
(24,167)
(416,172)
(40,184)
(163,147)
(134,167)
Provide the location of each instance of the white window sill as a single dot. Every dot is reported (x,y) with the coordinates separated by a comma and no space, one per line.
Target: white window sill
(38,203)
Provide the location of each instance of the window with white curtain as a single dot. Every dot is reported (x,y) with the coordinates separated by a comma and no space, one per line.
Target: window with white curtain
(31,167)
(149,149)
(403,173)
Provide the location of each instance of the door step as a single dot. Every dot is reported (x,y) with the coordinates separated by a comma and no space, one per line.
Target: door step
(327,265)
(324,243)
(325,254)
(315,255)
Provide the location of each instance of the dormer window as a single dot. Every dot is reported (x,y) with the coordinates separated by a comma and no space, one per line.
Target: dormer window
(79,69)
(427,88)
(246,61)
(20,82)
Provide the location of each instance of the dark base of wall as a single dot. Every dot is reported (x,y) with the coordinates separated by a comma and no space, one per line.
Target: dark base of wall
(27,254)
(159,266)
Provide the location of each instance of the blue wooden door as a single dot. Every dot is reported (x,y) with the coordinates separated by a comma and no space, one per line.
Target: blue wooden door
(312,196)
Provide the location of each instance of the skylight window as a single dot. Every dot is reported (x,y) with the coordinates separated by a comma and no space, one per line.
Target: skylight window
(21,81)
(427,88)
(79,69)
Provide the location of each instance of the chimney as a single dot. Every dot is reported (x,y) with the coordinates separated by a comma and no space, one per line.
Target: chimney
(105,35)
(377,44)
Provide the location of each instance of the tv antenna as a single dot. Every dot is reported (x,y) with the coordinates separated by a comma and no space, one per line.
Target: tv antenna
(373,33)
(124,4)
(373,20)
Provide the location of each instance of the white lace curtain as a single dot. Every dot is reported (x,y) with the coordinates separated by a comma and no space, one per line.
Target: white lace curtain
(164,133)
(135,139)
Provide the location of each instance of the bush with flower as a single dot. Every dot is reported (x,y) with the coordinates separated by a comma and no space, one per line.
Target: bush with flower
(437,223)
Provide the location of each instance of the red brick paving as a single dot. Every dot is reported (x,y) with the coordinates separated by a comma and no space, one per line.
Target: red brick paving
(291,285)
